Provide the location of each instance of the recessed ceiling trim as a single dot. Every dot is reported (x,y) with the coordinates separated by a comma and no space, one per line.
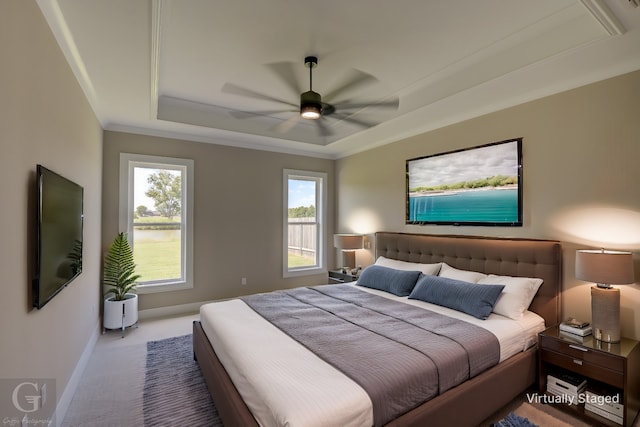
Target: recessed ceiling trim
(604,16)
(226,138)
(58,24)
(570,28)
(156,27)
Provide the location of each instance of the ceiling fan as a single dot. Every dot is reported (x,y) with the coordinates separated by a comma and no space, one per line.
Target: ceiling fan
(312,106)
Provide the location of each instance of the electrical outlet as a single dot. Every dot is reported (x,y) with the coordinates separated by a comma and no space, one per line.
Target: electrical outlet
(244,281)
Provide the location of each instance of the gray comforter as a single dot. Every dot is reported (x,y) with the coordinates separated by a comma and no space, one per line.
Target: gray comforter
(399,354)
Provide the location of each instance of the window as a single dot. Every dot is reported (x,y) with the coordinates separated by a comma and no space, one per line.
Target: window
(304,222)
(156,211)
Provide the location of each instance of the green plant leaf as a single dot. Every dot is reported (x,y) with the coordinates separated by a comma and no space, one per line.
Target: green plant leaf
(119,268)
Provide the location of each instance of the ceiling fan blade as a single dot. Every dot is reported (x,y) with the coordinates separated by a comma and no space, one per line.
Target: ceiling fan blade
(285,126)
(323,129)
(359,122)
(237,90)
(286,72)
(355,79)
(239,114)
(393,103)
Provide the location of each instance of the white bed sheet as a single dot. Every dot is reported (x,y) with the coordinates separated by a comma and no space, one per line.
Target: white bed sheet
(284,384)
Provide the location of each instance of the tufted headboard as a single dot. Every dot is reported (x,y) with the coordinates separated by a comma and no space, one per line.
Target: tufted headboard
(501,256)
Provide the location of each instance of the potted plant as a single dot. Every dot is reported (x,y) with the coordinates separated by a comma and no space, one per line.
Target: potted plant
(121,303)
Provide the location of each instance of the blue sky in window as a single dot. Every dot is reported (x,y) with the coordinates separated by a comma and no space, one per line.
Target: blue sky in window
(301,193)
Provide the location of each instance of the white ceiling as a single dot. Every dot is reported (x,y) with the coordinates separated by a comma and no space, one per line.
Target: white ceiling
(158,67)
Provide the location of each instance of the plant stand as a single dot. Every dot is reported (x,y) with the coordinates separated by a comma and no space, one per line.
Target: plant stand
(120,314)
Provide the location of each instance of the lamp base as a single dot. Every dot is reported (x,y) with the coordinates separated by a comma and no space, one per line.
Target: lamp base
(348,259)
(605,314)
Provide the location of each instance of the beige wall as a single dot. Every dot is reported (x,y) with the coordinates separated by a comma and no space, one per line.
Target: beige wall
(44,118)
(238,214)
(581,151)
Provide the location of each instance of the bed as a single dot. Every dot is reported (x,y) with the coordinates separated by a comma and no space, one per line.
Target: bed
(467,403)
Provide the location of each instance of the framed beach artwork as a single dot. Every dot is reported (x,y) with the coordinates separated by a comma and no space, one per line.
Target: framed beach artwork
(475,186)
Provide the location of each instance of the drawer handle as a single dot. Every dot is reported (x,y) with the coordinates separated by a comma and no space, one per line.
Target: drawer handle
(577,347)
(577,362)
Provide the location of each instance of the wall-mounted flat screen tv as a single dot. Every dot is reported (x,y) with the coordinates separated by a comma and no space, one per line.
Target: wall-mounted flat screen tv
(475,186)
(59,235)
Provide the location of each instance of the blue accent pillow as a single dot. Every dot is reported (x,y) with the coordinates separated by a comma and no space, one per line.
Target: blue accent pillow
(397,282)
(476,300)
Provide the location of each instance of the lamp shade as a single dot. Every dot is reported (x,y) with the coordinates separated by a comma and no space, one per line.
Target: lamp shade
(348,241)
(606,267)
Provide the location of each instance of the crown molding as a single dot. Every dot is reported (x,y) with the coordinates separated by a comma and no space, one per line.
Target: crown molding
(604,15)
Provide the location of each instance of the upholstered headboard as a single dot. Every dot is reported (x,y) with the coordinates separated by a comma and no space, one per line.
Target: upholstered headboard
(502,256)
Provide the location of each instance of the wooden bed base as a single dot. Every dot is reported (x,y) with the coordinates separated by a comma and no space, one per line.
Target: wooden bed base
(473,401)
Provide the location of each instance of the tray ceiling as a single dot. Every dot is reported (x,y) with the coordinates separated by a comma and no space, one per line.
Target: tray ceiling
(159,67)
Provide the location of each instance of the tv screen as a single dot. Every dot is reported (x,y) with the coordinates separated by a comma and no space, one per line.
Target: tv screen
(475,186)
(59,234)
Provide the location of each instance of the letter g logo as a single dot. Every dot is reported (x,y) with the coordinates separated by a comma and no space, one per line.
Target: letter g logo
(33,400)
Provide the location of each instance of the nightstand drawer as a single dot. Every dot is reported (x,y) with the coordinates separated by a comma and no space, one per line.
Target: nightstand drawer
(576,351)
(583,367)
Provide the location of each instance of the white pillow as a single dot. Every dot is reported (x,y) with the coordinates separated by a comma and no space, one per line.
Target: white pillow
(516,296)
(430,269)
(466,276)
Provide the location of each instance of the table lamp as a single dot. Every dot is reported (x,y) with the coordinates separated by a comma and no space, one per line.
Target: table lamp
(348,243)
(605,268)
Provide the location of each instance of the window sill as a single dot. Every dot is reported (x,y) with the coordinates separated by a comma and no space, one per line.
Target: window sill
(163,287)
(304,272)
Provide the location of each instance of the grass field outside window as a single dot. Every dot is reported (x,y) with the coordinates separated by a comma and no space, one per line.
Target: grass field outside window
(156,250)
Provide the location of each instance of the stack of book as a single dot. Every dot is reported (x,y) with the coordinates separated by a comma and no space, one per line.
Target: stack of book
(578,339)
(567,385)
(577,328)
(605,404)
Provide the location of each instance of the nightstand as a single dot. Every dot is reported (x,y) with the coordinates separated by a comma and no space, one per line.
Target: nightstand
(611,369)
(337,276)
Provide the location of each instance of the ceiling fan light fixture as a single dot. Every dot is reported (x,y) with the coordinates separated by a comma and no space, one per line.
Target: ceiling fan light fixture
(310,105)
(310,112)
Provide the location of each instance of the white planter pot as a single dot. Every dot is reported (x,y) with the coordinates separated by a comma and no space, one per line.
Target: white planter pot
(120,314)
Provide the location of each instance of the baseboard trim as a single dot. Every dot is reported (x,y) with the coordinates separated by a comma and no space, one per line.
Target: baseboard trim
(171,310)
(67,395)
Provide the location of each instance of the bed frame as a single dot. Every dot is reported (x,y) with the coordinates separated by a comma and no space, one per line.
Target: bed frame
(474,400)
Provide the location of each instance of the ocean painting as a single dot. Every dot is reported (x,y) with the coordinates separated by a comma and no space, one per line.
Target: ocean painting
(478,186)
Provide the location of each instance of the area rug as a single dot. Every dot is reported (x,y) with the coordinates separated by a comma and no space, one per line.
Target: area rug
(513,420)
(175,393)
(543,415)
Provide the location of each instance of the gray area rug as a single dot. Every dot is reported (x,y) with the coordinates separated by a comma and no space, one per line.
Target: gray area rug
(175,393)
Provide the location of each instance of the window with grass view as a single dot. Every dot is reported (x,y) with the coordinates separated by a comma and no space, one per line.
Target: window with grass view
(304,219)
(158,219)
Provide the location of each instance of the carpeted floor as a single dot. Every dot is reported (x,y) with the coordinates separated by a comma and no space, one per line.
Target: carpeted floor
(174,391)
(110,392)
